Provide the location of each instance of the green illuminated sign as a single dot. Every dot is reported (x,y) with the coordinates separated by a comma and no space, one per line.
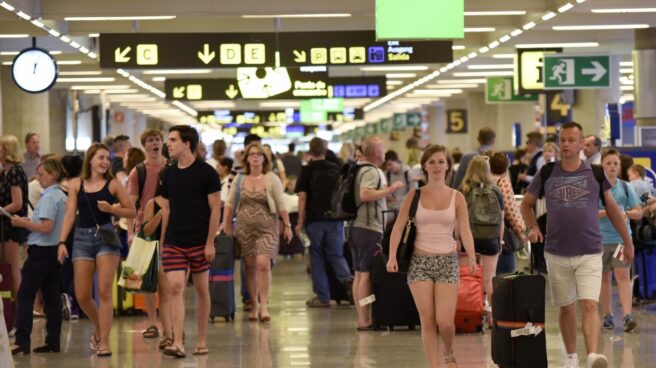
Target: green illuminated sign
(566,71)
(419,19)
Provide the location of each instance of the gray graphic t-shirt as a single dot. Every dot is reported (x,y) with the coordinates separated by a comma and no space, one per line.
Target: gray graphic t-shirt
(572,211)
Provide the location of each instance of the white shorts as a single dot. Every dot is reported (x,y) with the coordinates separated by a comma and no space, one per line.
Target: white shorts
(574,278)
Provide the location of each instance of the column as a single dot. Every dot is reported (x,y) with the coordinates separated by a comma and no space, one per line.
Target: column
(644,70)
(437,123)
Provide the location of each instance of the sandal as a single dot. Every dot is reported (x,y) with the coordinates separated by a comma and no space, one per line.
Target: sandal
(174,351)
(317,303)
(103,352)
(151,332)
(165,342)
(200,351)
(93,342)
(366,328)
(450,361)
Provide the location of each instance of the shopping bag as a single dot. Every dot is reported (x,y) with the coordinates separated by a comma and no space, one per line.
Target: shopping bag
(140,258)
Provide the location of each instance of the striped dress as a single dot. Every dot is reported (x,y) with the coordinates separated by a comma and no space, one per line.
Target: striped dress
(257,229)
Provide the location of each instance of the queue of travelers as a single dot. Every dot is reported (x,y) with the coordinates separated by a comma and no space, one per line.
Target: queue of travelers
(171,193)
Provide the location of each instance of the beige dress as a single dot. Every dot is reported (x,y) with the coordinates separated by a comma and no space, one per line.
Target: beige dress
(257,228)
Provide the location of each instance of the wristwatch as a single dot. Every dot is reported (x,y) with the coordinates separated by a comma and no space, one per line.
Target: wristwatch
(288,225)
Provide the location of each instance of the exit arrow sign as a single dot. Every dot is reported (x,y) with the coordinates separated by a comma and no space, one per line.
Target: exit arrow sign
(562,71)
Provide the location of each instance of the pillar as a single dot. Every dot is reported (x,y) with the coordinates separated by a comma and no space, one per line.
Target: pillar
(508,114)
(437,123)
(644,70)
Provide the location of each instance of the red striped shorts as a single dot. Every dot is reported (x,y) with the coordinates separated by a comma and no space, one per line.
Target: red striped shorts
(178,258)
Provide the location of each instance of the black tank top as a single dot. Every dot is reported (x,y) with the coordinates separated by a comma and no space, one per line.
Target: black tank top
(87,209)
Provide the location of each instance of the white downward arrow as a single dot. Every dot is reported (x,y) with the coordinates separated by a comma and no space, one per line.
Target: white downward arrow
(598,71)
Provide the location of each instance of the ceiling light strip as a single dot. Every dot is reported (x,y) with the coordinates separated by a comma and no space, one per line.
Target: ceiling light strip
(504,38)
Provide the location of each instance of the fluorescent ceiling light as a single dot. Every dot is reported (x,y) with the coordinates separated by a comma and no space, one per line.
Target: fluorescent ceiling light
(490,13)
(625,10)
(626,70)
(65,39)
(454,85)
(82,72)
(24,15)
(7,62)
(528,26)
(490,66)
(280,104)
(159,79)
(14,35)
(94,35)
(213,105)
(436,91)
(626,63)
(7,6)
(111,91)
(400,75)
(479,29)
(493,44)
(561,44)
(107,86)
(599,27)
(394,83)
(136,17)
(516,32)
(399,68)
(565,7)
(626,88)
(54,32)
(503,56)
(453,81)
(504,38)
(309,15)
(457,47)
(178,71)
(69,62)
(548,16)
(491,73)
(37,23)
(83,80)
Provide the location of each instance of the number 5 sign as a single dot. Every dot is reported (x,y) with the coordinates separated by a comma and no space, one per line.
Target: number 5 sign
(456,121)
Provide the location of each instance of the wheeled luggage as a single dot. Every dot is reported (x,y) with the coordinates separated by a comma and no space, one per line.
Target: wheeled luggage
(394,305)
(645,269)
(222,279)
(518,336)
(471,299)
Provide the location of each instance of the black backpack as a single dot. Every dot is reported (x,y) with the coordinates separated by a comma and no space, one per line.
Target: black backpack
(342,203)
(598,171)
(322,183)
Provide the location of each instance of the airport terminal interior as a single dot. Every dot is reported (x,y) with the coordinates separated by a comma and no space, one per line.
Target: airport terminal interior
(428,72)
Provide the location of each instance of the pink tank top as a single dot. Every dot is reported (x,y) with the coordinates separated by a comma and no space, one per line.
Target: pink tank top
(435,228)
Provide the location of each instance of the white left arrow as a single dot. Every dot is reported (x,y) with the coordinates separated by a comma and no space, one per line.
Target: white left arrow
(598,71)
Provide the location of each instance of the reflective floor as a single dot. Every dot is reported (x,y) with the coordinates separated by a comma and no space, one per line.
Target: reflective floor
(297,336)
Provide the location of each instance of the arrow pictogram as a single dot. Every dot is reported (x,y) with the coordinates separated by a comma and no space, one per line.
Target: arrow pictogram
(300,56)
(598,71)
(121,56)
(414,119)
(232,92)
(206,55)
(178,92)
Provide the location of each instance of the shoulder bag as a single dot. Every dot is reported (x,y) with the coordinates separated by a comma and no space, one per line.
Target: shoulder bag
(109,236)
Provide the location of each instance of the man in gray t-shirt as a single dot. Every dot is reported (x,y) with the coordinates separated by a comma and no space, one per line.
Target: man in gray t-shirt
(367,228)
(395,170)
(573,248)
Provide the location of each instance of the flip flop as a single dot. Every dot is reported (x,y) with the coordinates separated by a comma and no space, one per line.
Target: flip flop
(174,352)
(201,351)
(366,328)
(151,332)
(103,353)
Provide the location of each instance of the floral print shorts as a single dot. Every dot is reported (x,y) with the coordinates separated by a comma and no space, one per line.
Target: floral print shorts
(438,268)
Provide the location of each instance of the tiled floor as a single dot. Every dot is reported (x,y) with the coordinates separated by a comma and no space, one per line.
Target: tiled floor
(317,338)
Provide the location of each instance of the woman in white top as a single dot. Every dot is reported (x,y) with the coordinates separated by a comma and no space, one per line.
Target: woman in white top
(434,274)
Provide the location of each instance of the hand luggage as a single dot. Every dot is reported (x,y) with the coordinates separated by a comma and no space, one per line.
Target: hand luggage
(338,292)
(6,294)
(222,279)
(394,305)
(644,287)
(471,299)
(516,301)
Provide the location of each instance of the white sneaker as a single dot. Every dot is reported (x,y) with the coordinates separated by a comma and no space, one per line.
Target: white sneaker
(572,361)
(596,361)
(12,332)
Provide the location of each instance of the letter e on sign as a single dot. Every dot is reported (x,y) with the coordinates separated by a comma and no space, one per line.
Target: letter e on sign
(254,53)
(456,121)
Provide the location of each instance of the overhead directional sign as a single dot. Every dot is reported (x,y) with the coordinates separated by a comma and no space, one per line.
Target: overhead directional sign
(570,71)
(229,50)
(288,116)
(529,64)
(280,83)
(400,121)
(357,48)
(501,90)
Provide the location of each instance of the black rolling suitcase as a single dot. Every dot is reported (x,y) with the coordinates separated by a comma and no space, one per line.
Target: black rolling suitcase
(394,305)
(222,279)
(518,300)
(338,291)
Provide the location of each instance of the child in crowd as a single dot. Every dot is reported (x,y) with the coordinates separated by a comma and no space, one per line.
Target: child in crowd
(638,181)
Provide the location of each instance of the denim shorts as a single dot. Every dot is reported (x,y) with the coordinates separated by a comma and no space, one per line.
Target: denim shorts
(88,244)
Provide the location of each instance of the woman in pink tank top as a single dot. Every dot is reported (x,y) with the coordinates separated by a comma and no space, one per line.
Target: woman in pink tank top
(434,274)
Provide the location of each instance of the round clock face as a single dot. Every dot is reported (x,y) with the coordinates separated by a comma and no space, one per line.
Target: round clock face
(34,70)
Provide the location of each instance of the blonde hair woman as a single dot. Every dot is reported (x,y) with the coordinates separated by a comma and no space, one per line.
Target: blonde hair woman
(479,175)
(257,196)
(13,198)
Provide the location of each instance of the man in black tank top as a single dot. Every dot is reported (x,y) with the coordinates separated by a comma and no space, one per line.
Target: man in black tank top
(191,190)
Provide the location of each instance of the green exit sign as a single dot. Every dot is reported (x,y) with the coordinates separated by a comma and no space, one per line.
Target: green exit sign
(420,19)
(570,71)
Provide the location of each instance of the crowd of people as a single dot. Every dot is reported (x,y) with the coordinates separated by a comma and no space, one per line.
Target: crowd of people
(170,192)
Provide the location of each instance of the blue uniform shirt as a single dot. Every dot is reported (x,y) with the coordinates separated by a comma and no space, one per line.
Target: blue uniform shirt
(625,200)
(51,206)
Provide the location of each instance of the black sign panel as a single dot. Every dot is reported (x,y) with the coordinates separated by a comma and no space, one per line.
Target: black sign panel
(274,84)
(230,50)
(456,121)
(290,116)
(358,48)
